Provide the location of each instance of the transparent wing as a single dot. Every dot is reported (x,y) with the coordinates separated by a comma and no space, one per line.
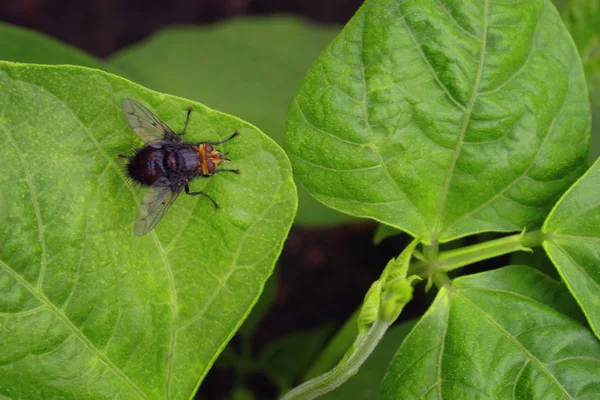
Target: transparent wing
(155,204)
(147,125)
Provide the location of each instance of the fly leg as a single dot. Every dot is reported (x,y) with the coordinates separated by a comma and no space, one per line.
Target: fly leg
(187,191)
(235,171)
(226,140)
(187,120)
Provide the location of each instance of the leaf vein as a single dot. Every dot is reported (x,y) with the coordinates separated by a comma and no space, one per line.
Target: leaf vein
(518,344)
(370,130)
(335,169)
(312,126)
(36,209)
(67,322)
(466,118)
(428,63)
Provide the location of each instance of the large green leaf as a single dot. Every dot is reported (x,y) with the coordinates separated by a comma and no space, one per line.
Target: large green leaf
(573,242)
(26,46)
(443,118)
(88,309)
(582,18)
(249,67)
(284,359)
(497,335)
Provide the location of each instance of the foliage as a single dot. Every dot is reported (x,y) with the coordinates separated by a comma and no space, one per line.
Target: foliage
(79,292)
(441,119)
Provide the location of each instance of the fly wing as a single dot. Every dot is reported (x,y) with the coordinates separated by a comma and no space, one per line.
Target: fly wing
(155,204)
(148,126)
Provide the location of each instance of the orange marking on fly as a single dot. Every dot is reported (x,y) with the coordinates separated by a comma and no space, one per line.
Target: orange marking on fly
(202,157)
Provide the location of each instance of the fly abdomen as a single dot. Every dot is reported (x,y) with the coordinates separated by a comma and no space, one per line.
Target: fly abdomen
(147,165)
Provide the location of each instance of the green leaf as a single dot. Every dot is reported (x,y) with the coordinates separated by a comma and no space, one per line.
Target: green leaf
(249,67)
(573,242)
(383,232)
(443,119)
(365,384)
(582,19)
(497,335)
(88,309)
(286,358)
(26,46)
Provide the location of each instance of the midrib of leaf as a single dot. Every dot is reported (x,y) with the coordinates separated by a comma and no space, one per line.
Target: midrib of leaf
(465,123)
(36,206)
(65,320)
(511,338)
(523,175)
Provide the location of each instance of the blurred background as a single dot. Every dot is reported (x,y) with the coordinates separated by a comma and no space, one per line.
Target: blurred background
(104,27)
(246,58)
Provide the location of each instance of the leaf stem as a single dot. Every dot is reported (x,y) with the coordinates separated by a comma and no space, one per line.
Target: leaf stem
(441,279)
(363,345)
(431,251)
(454,259)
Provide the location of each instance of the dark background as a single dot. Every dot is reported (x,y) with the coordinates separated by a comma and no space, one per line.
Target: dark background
(101,27)
(323,273)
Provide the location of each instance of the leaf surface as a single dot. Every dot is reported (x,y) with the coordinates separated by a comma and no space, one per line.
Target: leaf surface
(573,242)
(500,334)
(582,18)
(443,119)
(88,309)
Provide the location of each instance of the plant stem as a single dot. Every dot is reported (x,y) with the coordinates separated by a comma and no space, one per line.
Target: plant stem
(454,259)
(431,251)
(441,279)
(364,346)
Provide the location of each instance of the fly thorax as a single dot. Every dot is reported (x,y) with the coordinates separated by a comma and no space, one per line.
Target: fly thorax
(188,161)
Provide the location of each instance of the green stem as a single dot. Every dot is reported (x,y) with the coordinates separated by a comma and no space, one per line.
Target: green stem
(364,346)
(441,279)
(430,251)
(454,259)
